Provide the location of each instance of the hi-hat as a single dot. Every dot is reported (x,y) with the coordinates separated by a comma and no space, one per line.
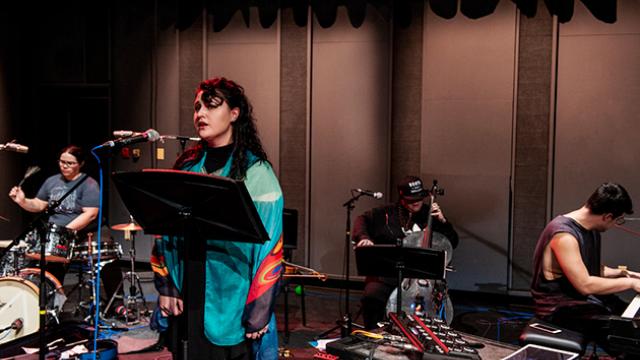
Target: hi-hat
(127,227)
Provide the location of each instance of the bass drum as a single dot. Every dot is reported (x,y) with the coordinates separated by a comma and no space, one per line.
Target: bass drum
(420,296)
(19,301)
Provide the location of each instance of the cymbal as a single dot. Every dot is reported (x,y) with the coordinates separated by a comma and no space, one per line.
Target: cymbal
(5,243)
(127,227)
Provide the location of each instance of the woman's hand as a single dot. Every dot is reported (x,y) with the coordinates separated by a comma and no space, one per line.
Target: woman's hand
(169,305)
(17,195)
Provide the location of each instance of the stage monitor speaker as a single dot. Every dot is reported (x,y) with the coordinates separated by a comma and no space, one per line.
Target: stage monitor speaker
(290,228)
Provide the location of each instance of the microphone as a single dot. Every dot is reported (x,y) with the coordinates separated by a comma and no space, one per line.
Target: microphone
(373,194)
(17,324)
(124,133)
(150,135)
(15,147)
(180,137)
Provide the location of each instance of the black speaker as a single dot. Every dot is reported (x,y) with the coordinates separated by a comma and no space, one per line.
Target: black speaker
(290,228)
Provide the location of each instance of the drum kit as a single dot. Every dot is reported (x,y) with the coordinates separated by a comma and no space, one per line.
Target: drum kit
(20,278)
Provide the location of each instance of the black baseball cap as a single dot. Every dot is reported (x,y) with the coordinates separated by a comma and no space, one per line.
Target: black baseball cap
(410,188)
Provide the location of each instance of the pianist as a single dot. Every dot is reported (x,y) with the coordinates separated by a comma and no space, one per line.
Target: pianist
(570,286)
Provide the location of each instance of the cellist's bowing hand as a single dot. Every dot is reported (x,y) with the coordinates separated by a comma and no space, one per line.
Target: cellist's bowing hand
(437,212)
(257,334)
(364,242)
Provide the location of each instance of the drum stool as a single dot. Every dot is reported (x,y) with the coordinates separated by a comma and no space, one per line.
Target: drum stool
(542,333)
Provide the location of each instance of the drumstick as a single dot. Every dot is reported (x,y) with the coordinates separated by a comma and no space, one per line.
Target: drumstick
(4,218)
(30,171)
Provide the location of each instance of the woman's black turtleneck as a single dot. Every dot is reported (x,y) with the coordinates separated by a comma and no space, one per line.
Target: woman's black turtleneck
(217,157)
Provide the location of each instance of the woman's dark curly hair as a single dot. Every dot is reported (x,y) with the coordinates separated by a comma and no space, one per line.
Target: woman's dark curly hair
(245,134)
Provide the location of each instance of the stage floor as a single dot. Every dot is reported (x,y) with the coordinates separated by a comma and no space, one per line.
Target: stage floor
(489,320)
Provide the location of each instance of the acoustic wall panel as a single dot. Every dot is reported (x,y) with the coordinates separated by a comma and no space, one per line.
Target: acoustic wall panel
(251,56)
(349,129)
(468,82)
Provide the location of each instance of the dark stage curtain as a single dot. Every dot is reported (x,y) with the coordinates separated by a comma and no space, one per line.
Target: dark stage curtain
(325,11)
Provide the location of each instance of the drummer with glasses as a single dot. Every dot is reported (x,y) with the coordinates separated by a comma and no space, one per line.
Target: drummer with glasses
(387,225)
(80,208)
(78,211)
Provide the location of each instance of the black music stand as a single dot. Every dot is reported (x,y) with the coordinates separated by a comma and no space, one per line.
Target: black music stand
(401,262)
(196,207)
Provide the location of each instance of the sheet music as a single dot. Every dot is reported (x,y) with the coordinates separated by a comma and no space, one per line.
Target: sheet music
(632,310)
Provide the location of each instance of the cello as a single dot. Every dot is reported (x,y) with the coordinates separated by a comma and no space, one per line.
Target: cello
(425,296)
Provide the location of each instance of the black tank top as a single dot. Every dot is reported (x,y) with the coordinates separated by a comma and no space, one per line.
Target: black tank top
(552,294)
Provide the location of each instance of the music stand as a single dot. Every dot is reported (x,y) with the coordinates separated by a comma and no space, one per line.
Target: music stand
(196,207)
(400,262)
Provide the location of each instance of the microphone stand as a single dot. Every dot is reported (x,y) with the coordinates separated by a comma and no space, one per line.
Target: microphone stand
(346,323)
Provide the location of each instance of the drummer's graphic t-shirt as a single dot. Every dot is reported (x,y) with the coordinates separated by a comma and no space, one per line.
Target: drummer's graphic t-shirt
(85,195)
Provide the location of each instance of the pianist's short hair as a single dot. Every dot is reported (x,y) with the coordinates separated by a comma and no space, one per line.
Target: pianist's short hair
(610,198)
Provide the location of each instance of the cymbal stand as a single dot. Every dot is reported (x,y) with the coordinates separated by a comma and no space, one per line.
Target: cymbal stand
(136,295)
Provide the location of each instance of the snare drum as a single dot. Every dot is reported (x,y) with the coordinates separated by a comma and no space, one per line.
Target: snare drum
(57,246)
(109,249)
(19,300)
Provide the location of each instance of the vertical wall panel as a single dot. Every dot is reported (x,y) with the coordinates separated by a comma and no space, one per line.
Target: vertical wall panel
(166,92)
(406,121)
(294,48)
(597,117)
(533,124)
(134,25)
(466,137)
(191,69)
(250,56)
(349,124)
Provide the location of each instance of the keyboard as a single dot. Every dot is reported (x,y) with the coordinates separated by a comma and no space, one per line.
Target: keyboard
(433,337)
(632,310)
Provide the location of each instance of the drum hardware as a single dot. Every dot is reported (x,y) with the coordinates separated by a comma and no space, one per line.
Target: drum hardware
(86,280)
(136,296)
(13,260)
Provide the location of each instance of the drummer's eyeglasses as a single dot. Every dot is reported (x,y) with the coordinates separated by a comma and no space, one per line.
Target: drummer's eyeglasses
(620,220)
(67,163)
